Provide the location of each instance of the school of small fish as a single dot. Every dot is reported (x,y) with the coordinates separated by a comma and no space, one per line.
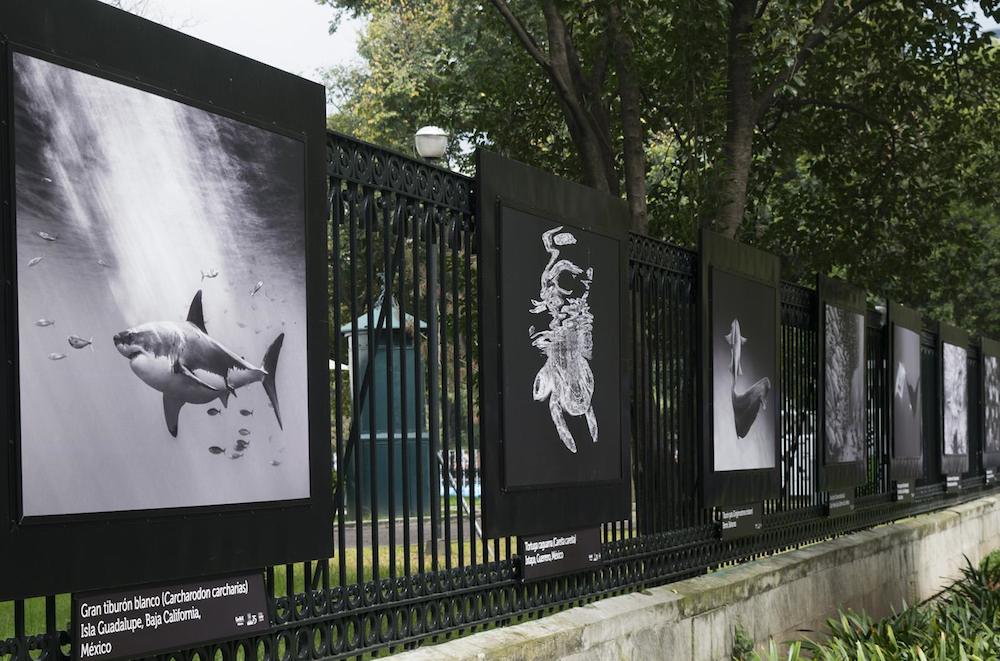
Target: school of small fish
(241,444)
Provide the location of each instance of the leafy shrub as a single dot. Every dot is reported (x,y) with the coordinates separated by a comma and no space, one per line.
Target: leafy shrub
(963,625)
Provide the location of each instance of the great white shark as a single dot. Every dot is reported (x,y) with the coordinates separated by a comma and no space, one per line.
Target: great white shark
(180,360)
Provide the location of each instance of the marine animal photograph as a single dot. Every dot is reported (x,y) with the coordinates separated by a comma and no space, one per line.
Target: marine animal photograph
(844,385)
(991,403)
(956,400)
(743,369)
(560,324)
(907,408)
(567,341)
(160,293)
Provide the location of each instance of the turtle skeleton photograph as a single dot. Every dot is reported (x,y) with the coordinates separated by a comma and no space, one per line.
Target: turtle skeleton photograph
(567,343)
(743,370)
(560,323)
(163,247)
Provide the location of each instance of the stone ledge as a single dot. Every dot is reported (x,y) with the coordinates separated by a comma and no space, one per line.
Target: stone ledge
(875,569)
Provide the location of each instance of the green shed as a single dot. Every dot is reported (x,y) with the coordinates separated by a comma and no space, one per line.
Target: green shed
(381,448)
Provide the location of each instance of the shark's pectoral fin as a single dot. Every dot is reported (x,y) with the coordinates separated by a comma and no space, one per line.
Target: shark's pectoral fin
(180,368)
(171,410)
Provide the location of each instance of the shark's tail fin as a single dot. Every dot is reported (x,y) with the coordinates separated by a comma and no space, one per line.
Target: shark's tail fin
(271,366)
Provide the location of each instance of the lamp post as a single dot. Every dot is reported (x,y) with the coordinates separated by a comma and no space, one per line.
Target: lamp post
(431,142)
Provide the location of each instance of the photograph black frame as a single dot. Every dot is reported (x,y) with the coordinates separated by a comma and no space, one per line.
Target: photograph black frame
(953,464)
(525,510)
(902,469)
(737,487)
(838,293)
(138,547)
(987,347)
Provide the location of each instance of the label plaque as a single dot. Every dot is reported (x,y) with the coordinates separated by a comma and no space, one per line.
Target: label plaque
(741,521)
(904,491)
(953,483)
(841,503)
(139,622)
(990,476)
(564,553)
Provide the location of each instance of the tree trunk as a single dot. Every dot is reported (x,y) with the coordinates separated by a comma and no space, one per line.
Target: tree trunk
(633,139)
(595,157)
(740,120)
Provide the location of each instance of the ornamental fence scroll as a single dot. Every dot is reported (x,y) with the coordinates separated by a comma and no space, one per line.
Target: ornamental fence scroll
(411,566)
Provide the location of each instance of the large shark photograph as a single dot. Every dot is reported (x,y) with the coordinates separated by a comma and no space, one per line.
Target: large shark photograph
(187,366)
(160,299)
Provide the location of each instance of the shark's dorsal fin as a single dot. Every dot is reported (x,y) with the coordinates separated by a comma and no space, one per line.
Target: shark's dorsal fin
(195,314)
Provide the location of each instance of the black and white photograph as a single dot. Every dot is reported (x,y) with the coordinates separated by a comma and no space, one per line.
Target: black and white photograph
(991,403)
(160,300)
(907,407)
(560,325)
(743,373)
(956,400)
(844,387)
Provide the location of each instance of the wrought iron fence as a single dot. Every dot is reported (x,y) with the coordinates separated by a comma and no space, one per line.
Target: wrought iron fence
(411,566)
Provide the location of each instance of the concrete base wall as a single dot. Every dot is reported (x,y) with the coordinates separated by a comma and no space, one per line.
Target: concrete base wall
(874,570)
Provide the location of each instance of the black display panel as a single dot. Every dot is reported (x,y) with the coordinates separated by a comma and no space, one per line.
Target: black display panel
(165,310)
(561,339)
(740,347)
(990,406)
(953,354)
(554,351)
(907,407)
(842,398)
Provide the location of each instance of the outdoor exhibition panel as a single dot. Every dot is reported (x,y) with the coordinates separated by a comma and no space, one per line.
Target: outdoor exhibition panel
(954,389)
(842,396)
(990,389)
(554,333)
(740,344)
(905,326)
(164,308)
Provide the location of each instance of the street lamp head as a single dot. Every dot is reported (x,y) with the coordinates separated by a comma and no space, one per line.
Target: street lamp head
(431,142)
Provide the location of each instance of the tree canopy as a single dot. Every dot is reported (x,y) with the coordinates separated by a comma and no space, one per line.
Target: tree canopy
(854,138)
